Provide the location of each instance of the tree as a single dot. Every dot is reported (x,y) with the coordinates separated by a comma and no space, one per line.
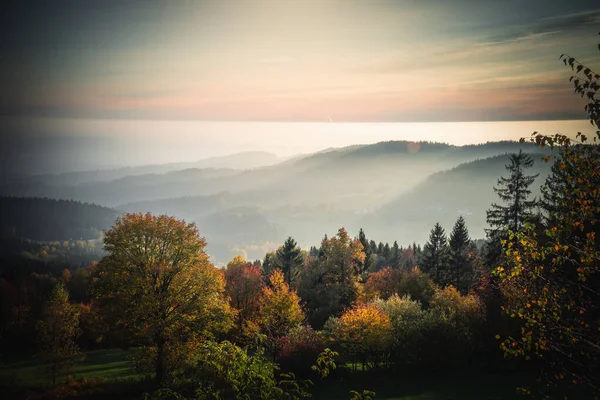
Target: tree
(434,259)
(552,278)
(57,332)
(514,191)
(341,263)
(243,287)
(280,309)
(269,264)
(460,266)
(395,255)
(367,265)
(157,284)
(364,331)
(290,260)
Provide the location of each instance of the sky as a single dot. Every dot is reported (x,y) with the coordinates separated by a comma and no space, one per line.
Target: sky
(294,61)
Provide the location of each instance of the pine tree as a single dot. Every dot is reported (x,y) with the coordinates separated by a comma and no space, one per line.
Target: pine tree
(290,260)
(57,331)
(514,191)
(434,257)
(459,257)
(395,255)
(368,263)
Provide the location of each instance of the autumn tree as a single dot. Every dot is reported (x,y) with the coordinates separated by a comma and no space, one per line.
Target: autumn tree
(279,310)
(383,283)
(434,259)
(290,260)
(157,284)
(552,278)
(364,332)
(57,332)
(243,287)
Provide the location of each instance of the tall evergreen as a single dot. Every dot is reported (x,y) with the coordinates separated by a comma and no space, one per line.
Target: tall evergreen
(368,263)
(395,255)
(459,256)
(290,260)
(514,192)
(434,257)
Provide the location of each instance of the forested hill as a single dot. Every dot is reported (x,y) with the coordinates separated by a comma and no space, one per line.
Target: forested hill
(465,190)
(46,219)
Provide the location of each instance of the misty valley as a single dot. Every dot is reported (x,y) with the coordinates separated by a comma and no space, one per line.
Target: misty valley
(247,204)
(291,200)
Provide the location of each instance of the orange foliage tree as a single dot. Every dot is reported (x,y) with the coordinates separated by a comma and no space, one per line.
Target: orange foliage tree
(243,286)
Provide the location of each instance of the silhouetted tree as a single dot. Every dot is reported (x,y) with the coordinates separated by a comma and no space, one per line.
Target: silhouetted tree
(459,258)
(434,258)
(290,260)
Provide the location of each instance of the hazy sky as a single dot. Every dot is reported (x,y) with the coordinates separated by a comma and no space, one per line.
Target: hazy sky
(288,60)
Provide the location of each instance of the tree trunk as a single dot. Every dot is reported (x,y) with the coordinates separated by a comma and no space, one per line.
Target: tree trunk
(159,368)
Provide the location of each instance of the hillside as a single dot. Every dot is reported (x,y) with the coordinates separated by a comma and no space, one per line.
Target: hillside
(53,220)
(396,190)
(465,190)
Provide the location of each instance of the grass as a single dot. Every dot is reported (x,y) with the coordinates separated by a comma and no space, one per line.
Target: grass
(112,365)
(123,381)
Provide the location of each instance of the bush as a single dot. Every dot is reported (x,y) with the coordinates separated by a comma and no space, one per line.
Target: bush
(299,350)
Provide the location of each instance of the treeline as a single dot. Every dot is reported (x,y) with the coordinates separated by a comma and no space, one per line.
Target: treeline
(46,219)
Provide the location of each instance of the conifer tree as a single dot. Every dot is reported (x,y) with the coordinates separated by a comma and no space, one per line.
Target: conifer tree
(514,192)
(290,260)
(434,258)
(459,258)
(368,263)
(395,255)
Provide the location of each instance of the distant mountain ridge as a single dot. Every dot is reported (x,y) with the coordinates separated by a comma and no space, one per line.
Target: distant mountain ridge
(239,161)
(395,190)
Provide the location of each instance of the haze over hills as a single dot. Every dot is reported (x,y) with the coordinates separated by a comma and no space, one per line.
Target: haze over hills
(395,190)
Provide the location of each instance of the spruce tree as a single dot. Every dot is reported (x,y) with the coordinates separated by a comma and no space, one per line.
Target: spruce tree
(434,257)
(368,263)
(395,255)
(514,192)
(459,256)
(290,260)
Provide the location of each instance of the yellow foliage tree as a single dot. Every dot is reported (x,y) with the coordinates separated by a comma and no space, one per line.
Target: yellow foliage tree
(365,332)
(157,285)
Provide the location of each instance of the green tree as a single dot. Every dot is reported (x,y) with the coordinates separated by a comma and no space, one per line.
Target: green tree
(515,192)
(460,275)
(367,265)
(434,258)
(157,284)
(57,332)
(290,260)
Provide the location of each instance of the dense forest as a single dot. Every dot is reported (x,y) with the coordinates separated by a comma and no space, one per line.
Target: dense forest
(524,302)
(47,219)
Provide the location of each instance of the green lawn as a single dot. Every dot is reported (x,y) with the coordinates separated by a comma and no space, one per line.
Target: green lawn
(110,364)
(125,383)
